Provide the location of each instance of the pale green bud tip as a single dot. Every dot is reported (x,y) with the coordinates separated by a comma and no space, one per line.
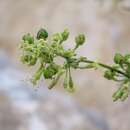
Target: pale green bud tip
(118,58)
(65,34)
(42,34)
(80,39)
(28,38)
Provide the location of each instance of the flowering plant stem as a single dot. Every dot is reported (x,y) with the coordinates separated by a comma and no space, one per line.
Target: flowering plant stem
(104,66)
(44,51)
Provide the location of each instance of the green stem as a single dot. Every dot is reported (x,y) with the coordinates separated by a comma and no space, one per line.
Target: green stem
(104,66)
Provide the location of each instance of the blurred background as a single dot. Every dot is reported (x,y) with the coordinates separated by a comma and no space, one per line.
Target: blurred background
(106,24)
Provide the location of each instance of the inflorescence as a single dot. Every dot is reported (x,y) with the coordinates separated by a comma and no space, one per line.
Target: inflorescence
(45,51)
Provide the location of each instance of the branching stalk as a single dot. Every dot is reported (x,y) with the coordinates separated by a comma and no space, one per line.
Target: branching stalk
(45,52)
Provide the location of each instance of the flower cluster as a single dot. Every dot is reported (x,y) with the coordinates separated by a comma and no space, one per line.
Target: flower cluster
(122,64)
(44,51)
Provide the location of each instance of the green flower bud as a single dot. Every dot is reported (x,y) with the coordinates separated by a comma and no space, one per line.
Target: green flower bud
(57,37)
(109,75)
(29,60)
(68,53)
(42,34)
(80,39)
(28,38)
(127,58)
(118,58)
(68,82)
(50,71)
(71,85)
(65,34)
(122,93)
(117,95)
(124,96)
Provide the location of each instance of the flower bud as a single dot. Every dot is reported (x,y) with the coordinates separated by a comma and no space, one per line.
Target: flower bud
(124,96)
(109,75)
(127,58)
(117,95)
(57,37)
(42,34)
(122,93)
(29,60)
(80,39)
(68,82)
(50,71)
(71,85)
(28,38)
(118,58)
(65,34)
(68,53)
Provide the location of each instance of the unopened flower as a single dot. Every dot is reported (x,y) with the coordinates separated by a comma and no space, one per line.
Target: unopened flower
(42,34)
